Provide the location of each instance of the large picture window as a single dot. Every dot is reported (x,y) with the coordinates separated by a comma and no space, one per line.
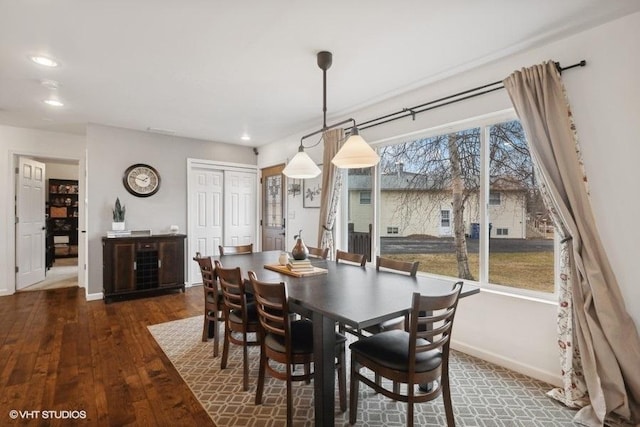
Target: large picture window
(465,205)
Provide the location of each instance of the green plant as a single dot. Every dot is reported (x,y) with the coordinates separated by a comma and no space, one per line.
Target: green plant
(299,235)
(118,211)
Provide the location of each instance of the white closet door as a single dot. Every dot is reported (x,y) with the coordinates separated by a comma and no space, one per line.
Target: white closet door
(206,215)
(239,207)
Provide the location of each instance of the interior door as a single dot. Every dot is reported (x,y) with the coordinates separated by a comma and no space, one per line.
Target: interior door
(30,227)
(239,207)
(206,215)
(273,220)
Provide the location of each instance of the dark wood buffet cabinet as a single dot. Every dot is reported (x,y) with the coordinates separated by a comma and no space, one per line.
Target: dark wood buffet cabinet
(142,265)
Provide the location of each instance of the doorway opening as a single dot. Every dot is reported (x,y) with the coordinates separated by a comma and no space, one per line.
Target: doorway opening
(57,256)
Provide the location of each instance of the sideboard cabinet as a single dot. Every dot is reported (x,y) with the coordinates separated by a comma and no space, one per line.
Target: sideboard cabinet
(139,265)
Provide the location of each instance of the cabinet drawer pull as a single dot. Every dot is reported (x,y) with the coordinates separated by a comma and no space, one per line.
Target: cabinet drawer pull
(159,263)
(135,265)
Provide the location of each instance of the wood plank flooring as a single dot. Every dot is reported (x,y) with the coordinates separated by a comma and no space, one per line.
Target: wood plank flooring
(61,353)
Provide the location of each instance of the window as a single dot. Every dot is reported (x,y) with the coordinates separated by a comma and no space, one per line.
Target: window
(365,197)
(392,230)
(444,219)
(496,198)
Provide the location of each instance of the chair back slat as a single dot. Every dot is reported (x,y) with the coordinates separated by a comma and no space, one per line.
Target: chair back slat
(351,257)
(272,305)
(209,277)
(318,252)
(431,319)
(235,250)
(397,265)
(232,286)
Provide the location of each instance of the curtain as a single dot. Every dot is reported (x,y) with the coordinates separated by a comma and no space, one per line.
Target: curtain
(598,339)
(331,187)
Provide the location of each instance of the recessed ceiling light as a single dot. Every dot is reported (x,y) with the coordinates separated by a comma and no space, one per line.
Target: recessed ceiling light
(53,102)
(50,84)
(43,60)
(245,137)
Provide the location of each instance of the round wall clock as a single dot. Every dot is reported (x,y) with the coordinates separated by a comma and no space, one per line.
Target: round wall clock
(141,180)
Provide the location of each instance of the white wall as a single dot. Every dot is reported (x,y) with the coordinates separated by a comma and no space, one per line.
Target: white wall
(605,99)
(34,143)
(110,151)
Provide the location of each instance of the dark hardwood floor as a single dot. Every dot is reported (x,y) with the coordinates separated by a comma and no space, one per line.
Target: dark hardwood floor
(61,353)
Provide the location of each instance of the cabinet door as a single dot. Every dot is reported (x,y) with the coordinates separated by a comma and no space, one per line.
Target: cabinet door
(171,262)
(123,267)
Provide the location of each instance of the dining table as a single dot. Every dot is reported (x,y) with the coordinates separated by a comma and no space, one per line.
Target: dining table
(340,292)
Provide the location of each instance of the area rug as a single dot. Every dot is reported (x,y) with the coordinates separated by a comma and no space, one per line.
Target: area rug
(483,394)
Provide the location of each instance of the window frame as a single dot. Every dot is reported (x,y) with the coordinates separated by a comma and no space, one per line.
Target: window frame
(484,122)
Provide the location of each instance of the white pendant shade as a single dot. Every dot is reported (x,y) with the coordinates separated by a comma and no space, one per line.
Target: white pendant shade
(301,166)
(355,153)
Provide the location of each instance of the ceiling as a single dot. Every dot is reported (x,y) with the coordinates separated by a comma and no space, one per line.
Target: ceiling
(215,70)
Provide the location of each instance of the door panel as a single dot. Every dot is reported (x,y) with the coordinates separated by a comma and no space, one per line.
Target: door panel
(30,229)
(240,207)
(273,220)
(206,215)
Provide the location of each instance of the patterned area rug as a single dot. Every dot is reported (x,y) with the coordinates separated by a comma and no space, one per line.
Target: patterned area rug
(483,394)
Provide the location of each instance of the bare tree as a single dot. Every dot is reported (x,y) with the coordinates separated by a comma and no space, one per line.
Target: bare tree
(448,167)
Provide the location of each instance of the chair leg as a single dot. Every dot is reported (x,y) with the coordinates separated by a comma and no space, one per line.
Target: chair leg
(289,397)
(446,397)
(205,329)
(411,390)
(261,373)
(225,348)
(353,393)
(245,363)
(216,337)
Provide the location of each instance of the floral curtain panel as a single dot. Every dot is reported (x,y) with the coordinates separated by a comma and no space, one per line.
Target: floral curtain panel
(598,340)
(331,187)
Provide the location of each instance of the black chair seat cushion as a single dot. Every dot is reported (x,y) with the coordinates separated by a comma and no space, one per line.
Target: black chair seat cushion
(252,314)
(301,338)
(391,349)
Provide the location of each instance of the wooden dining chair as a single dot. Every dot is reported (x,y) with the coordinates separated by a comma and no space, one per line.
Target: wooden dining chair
(240,317)
(288,342)
(213,304)
(417,356)
(318,252)
(350,257)
(235,250)
(395,266)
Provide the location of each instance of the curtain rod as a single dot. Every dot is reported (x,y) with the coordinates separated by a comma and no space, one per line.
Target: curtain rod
(450,99)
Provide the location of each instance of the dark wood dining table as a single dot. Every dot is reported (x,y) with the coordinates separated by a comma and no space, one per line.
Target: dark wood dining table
(356,296)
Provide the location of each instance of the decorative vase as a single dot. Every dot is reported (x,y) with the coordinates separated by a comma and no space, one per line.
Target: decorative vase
(299,251)
(283,259)
(117,226)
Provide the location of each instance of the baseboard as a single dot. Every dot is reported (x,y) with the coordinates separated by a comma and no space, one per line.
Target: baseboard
(94,297)
(514,365)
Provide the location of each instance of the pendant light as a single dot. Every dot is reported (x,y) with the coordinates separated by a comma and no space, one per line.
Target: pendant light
(301,166)
(355,153)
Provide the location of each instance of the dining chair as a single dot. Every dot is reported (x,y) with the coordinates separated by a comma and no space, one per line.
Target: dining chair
(240,317)
(419,355)
(318,252)
(235,250)
(395,266)
(288,342)
(350,257)
(213,304)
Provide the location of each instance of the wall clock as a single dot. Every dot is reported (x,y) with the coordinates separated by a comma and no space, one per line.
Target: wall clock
(141,180)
